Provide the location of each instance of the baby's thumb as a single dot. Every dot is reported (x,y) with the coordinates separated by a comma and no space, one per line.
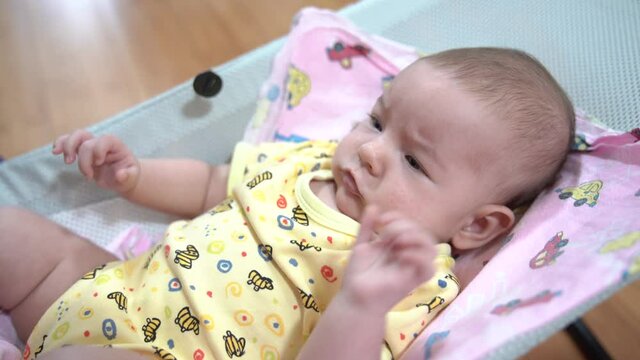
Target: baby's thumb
(127,178)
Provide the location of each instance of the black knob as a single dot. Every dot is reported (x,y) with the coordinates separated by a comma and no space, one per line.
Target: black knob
(207,84)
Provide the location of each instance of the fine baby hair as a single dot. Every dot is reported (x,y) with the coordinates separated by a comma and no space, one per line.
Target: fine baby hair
(522,93)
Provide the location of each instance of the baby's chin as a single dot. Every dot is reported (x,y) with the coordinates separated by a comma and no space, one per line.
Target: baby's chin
(349,208)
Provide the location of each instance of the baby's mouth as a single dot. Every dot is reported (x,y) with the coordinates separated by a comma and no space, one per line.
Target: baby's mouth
(350,184)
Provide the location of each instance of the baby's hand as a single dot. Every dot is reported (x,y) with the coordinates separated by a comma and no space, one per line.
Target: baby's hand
(386,266)
(105,159)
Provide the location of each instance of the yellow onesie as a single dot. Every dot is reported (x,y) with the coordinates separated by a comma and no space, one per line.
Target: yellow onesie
(249,278)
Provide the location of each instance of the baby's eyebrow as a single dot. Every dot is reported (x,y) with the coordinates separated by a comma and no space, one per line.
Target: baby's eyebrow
(424,144)
(426,147)
(380,102)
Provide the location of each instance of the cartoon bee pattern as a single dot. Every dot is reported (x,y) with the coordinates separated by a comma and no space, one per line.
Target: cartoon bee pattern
(308,301)
(233,345)
(187,322)
(267,175)
(150,329)
(184,258)
(300,216)
(120,298)
(259,282)
(92,274)
(163,354)
(434,303)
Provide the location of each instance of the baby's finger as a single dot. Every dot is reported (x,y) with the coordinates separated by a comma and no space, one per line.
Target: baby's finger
(423,246)
(86,158)
(367,221)
(397,228)
(386,218)
(415,234)
(126,177)
(72,143)
(420,266)
(57,144)
(103,148)
(122,175)
(406,241)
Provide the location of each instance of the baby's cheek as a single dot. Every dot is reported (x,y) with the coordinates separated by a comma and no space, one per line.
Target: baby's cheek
(438,227)
(399,197)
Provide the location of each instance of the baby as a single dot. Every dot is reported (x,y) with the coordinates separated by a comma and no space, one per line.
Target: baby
(360,232)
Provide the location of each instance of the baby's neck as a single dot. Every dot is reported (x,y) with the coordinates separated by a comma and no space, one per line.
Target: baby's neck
(470,262)
(325,191)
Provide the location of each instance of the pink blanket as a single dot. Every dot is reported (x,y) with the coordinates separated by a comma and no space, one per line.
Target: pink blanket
(579,238)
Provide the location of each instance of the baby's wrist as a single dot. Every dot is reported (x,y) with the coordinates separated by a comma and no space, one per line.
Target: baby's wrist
(365,318)
(355,302)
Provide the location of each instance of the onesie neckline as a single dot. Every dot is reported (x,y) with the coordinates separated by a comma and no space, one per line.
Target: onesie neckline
(337,221)
(317,209)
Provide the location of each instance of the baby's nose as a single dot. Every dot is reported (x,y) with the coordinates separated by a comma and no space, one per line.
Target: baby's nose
(370,157)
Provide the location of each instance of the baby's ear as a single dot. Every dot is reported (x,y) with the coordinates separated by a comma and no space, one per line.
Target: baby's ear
(487,223)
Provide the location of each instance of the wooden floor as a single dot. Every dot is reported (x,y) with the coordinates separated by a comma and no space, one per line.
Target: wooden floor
(66,64)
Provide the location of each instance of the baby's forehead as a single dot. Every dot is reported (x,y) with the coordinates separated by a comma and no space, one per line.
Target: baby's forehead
(444,111)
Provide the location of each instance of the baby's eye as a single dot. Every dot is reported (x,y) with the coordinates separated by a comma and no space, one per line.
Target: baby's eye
(375,122)
(413,162)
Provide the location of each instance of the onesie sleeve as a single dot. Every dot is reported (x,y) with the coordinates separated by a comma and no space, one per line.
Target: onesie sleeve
(249,159)
(411,315)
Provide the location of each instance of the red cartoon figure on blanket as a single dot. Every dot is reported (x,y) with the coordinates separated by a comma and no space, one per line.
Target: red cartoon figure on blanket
(542,297)
(550,252)
(344,53)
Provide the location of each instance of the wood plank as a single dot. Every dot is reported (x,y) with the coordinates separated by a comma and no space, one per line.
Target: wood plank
(67,64)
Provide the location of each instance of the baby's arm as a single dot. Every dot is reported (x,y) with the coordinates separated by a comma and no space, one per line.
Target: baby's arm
(183,187)
(382,270)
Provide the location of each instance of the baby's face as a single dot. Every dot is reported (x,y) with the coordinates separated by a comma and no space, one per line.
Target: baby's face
(426,151)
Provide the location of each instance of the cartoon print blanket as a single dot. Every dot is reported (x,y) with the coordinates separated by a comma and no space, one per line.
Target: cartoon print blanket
(578,239)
